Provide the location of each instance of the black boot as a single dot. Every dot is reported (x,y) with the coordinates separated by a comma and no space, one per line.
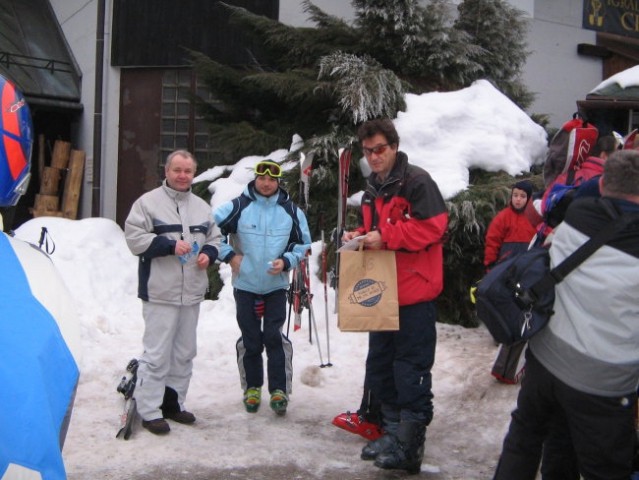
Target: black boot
(170,405)
(171,408)
(409,451)
(388,441)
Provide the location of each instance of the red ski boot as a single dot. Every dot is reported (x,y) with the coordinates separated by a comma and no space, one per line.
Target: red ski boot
(354,423)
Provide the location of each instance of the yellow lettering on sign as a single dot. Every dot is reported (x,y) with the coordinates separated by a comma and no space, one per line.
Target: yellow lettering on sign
(595,18)
(629,5)
(630,21)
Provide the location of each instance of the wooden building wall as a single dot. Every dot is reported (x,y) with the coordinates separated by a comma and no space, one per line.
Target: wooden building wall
(140,103)
(149,43)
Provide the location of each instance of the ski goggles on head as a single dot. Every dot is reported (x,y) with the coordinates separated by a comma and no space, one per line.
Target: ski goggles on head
(269,168)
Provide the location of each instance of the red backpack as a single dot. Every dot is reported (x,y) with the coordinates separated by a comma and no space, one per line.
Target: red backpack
(569,148)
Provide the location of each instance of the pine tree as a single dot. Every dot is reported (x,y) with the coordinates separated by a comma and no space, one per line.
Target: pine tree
(391,31)
(500,30)
(303,89)
(317,84)
(419,43)
(337,75)
(449,53)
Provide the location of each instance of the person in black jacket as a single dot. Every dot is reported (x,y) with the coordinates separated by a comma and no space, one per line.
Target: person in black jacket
(582,370)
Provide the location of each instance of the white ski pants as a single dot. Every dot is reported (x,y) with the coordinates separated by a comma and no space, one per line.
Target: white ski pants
(170,345)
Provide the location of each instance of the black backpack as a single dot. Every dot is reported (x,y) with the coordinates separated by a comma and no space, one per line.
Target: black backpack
(506,303)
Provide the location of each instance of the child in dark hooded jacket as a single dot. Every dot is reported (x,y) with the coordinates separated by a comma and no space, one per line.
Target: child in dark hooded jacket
(511,231)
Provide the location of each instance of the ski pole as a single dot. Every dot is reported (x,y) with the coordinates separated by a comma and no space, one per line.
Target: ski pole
(328,337)
(290,309)
(312,324)
(307,296)
(311,316)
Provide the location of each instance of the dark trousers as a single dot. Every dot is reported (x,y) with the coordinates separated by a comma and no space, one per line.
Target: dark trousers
(559,460)
(370,406)
(601,430)
(258,336)
(398,365)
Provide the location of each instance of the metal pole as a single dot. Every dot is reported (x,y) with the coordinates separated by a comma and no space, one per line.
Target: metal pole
(96,207)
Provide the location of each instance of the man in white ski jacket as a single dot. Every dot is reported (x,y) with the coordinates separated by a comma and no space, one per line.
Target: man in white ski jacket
(172,232)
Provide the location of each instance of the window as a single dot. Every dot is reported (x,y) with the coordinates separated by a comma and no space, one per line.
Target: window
(182,127)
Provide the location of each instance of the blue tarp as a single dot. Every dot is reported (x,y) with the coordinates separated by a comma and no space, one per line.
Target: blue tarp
(38,375)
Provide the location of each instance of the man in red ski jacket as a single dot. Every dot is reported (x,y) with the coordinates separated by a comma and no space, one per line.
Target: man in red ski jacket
(402,210)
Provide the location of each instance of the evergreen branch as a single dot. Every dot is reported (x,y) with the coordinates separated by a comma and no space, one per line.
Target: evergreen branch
(323,20)
(365,89)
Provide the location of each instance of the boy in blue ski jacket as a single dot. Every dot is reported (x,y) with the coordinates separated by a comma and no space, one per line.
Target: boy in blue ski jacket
(267,235)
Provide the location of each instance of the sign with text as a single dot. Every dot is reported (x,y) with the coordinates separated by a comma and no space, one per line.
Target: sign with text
(620,17)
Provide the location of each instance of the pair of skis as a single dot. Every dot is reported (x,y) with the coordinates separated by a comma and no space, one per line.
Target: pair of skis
(345,155)
(127,387)
(300,295)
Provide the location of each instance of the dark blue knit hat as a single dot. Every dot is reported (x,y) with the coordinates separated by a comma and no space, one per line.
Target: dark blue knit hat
(526,186)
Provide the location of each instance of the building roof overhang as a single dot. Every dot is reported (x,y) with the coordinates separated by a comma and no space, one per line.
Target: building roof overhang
(35,56)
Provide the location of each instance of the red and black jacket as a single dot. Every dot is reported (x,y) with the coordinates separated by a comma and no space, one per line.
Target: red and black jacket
(409,212)
(509,233)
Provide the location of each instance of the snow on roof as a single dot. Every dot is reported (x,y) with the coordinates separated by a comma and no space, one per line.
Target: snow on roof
(624,79)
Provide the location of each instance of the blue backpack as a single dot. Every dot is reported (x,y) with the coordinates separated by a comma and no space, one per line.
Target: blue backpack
(556,203)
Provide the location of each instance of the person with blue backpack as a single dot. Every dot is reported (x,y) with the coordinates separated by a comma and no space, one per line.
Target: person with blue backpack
(267,236)
(582,369)
(582,180)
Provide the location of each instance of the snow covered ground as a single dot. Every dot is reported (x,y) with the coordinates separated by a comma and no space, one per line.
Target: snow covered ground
(463,442)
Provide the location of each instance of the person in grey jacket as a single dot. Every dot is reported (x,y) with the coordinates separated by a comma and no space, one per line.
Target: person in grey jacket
(582,369)
(172,232)
(268,236)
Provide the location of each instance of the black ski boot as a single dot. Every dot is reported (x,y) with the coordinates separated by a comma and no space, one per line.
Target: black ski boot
(170,403)
(409,449)
(387,442)
(171,408)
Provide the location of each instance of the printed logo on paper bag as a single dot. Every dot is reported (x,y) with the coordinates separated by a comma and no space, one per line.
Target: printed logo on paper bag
(367,292)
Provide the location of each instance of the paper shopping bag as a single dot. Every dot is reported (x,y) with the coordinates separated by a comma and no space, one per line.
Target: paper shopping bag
(367,291)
